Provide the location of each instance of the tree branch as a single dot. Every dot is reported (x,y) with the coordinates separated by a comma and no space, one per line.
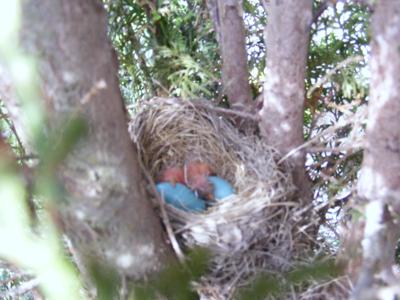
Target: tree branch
(228,23)
(287,38)
(106,214)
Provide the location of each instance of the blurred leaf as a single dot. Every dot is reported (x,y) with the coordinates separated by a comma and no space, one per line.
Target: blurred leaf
(61,141)
(142,293)
(263,286)
(174,282)
(197,261)
(105,279)
(39,251)
(14,218)
(267,285)
(318,270)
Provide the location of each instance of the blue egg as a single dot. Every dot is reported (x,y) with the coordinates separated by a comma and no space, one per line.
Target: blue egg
(181,197)
(222,188)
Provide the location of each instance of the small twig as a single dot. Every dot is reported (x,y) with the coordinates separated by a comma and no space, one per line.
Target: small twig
(99,85)
(14,131)
(15,277)
(170,231)
(124,288)
(336,150)
(27,157)
(23,288)
(320,10)
(330,130)
(164,215)
(329,74)
(227,111)
(292,152)
(165,90)
(83,271)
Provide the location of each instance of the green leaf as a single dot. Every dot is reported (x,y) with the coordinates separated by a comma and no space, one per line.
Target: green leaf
(61,142)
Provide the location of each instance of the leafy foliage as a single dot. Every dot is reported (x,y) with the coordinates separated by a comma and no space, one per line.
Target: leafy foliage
(341,34)
(164,48)
(175,281)
(255,20)
(267,285)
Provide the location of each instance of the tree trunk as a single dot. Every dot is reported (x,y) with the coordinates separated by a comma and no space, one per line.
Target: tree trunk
(287,40)
(227,17)
(379,182)
(107,215)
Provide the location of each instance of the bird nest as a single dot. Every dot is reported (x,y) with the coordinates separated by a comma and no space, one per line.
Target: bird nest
(257,229)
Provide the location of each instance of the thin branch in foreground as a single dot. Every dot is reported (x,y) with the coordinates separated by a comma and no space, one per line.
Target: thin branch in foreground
(354,119)
(167,223)
(10,124)
(27,157)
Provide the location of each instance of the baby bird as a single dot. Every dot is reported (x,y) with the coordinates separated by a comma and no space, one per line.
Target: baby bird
(222,188)
(181,197)
(196,178)
(173,175)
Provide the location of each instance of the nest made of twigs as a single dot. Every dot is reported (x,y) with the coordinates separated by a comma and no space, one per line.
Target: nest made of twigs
(253,231)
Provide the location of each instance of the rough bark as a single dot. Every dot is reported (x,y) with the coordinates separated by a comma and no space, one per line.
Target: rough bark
(106,215)
(379,182)
(287,40)
(227,16)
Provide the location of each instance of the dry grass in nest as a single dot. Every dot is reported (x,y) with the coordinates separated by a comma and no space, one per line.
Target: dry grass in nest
(255,230)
